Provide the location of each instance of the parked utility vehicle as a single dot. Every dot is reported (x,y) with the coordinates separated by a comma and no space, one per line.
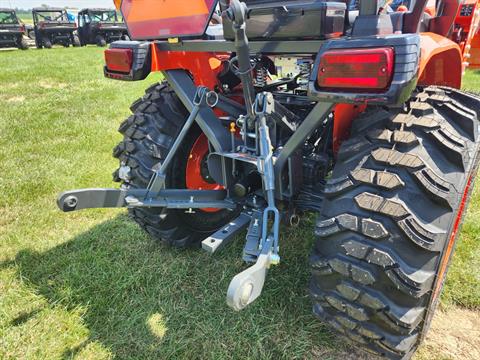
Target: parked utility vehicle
(52,26)
(29,31)
(100,27)
(302,107)
(11,30)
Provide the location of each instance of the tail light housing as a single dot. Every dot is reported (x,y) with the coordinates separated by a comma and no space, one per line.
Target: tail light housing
(367,70)
(119,60)
(128,60)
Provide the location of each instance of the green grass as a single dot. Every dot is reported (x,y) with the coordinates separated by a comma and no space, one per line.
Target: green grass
(91,285)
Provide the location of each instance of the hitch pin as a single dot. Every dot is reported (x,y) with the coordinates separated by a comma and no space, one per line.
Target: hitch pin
(232,137)
(190,210)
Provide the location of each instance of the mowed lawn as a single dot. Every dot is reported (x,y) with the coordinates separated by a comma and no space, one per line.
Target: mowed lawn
(92,285)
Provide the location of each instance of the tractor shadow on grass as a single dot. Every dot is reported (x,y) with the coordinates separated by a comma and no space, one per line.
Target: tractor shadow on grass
(144,300)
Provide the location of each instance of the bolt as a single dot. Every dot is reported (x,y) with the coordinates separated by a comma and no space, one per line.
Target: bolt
(71,202)
(274,259)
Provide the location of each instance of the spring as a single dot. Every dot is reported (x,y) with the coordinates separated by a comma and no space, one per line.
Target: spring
(261,76)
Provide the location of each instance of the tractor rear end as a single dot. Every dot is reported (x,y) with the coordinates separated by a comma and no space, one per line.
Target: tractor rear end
(303,107)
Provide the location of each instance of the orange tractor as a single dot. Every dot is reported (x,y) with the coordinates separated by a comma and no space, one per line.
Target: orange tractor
(270,110)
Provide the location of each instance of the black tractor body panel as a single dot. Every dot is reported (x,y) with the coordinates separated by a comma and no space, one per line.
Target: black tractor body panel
(289,20)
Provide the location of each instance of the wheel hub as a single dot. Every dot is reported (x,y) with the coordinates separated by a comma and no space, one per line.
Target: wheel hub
(197,175)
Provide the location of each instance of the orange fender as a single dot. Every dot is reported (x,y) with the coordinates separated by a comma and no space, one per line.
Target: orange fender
(203,66)
(440,61)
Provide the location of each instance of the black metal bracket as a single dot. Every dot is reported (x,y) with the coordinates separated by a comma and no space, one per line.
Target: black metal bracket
(209,123)
(311,122)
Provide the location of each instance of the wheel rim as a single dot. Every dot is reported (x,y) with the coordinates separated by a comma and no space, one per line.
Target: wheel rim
(197,176)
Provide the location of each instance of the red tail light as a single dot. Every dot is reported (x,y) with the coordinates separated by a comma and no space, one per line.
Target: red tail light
(365,70)
(22,28)
(119,60)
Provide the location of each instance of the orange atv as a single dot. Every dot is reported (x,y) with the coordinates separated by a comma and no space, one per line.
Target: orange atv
(273,109)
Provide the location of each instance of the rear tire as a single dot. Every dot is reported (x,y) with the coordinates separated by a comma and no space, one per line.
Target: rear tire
(100,41)
(148,135)
(38,43)
(47,43)
(22,44)
(76,41)
(386,232)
